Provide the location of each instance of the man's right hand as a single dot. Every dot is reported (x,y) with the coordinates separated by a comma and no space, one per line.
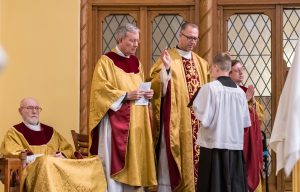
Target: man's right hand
(166,59)
(135,95)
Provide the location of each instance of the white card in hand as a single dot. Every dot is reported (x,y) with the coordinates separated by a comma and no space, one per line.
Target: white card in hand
(144,87)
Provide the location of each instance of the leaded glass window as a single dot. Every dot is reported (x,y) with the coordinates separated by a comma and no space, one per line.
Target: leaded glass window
(110,24)
(165,31)
(291,33)
(249,40)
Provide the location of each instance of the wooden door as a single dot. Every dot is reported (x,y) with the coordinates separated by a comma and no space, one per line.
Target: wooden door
(159,22)
(159,29)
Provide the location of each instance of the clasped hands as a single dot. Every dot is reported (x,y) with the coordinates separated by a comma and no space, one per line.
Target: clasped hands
(250,94)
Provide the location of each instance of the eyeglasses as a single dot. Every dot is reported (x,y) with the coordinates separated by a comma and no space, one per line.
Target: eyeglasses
(33,108)
(190,38)
(240,70)
(134,41)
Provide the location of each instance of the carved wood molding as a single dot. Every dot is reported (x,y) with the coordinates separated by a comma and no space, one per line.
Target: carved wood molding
(84,67)
(206,29)
(296,177)
(143,3)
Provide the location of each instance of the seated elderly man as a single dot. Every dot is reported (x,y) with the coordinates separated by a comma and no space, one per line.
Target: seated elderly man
(33,137)
(48,167)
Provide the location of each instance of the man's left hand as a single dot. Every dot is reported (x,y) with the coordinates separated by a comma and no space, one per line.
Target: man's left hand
(148,94)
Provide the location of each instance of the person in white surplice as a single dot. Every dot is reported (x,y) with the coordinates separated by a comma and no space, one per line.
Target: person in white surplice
(222,108)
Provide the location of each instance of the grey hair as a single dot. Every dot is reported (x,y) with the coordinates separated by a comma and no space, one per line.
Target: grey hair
(223,60)
(122,30)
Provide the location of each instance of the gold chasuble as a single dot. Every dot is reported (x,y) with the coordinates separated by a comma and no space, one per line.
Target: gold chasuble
(54,174)
(19,138)
(132,150)
(179,121)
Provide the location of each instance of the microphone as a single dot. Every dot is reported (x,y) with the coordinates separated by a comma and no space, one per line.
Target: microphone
(265,148)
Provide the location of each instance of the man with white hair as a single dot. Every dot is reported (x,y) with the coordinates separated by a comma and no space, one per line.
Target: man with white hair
(49,167)
(120,129)
(33,137)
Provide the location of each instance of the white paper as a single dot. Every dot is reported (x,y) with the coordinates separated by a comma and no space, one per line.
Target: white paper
(144,87)
(31,158)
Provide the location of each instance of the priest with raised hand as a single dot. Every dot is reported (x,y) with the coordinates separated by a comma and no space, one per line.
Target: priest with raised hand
(120,126)
(175,77)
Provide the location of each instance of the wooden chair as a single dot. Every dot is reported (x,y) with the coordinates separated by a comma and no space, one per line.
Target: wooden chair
(11,171)
(81,143)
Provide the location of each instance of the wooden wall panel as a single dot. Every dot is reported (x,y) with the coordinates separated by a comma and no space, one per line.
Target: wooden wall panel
(143,3)
(84,66)
(257,2)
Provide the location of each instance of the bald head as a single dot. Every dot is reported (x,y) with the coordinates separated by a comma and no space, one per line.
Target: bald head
(30,110)
(28,101)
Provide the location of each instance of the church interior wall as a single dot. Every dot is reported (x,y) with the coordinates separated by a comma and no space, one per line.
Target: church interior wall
(42,41)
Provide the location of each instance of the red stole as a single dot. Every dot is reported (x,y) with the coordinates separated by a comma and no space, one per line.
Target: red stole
(174,173)
(253,149)
(193,82)
(128,65)
(119,121)
(35,137)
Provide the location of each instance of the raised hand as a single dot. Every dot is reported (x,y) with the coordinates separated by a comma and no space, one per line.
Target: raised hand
(166,59)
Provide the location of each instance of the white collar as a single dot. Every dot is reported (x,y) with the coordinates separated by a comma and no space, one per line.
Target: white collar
(185,54)
(33,127)
(119,52)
